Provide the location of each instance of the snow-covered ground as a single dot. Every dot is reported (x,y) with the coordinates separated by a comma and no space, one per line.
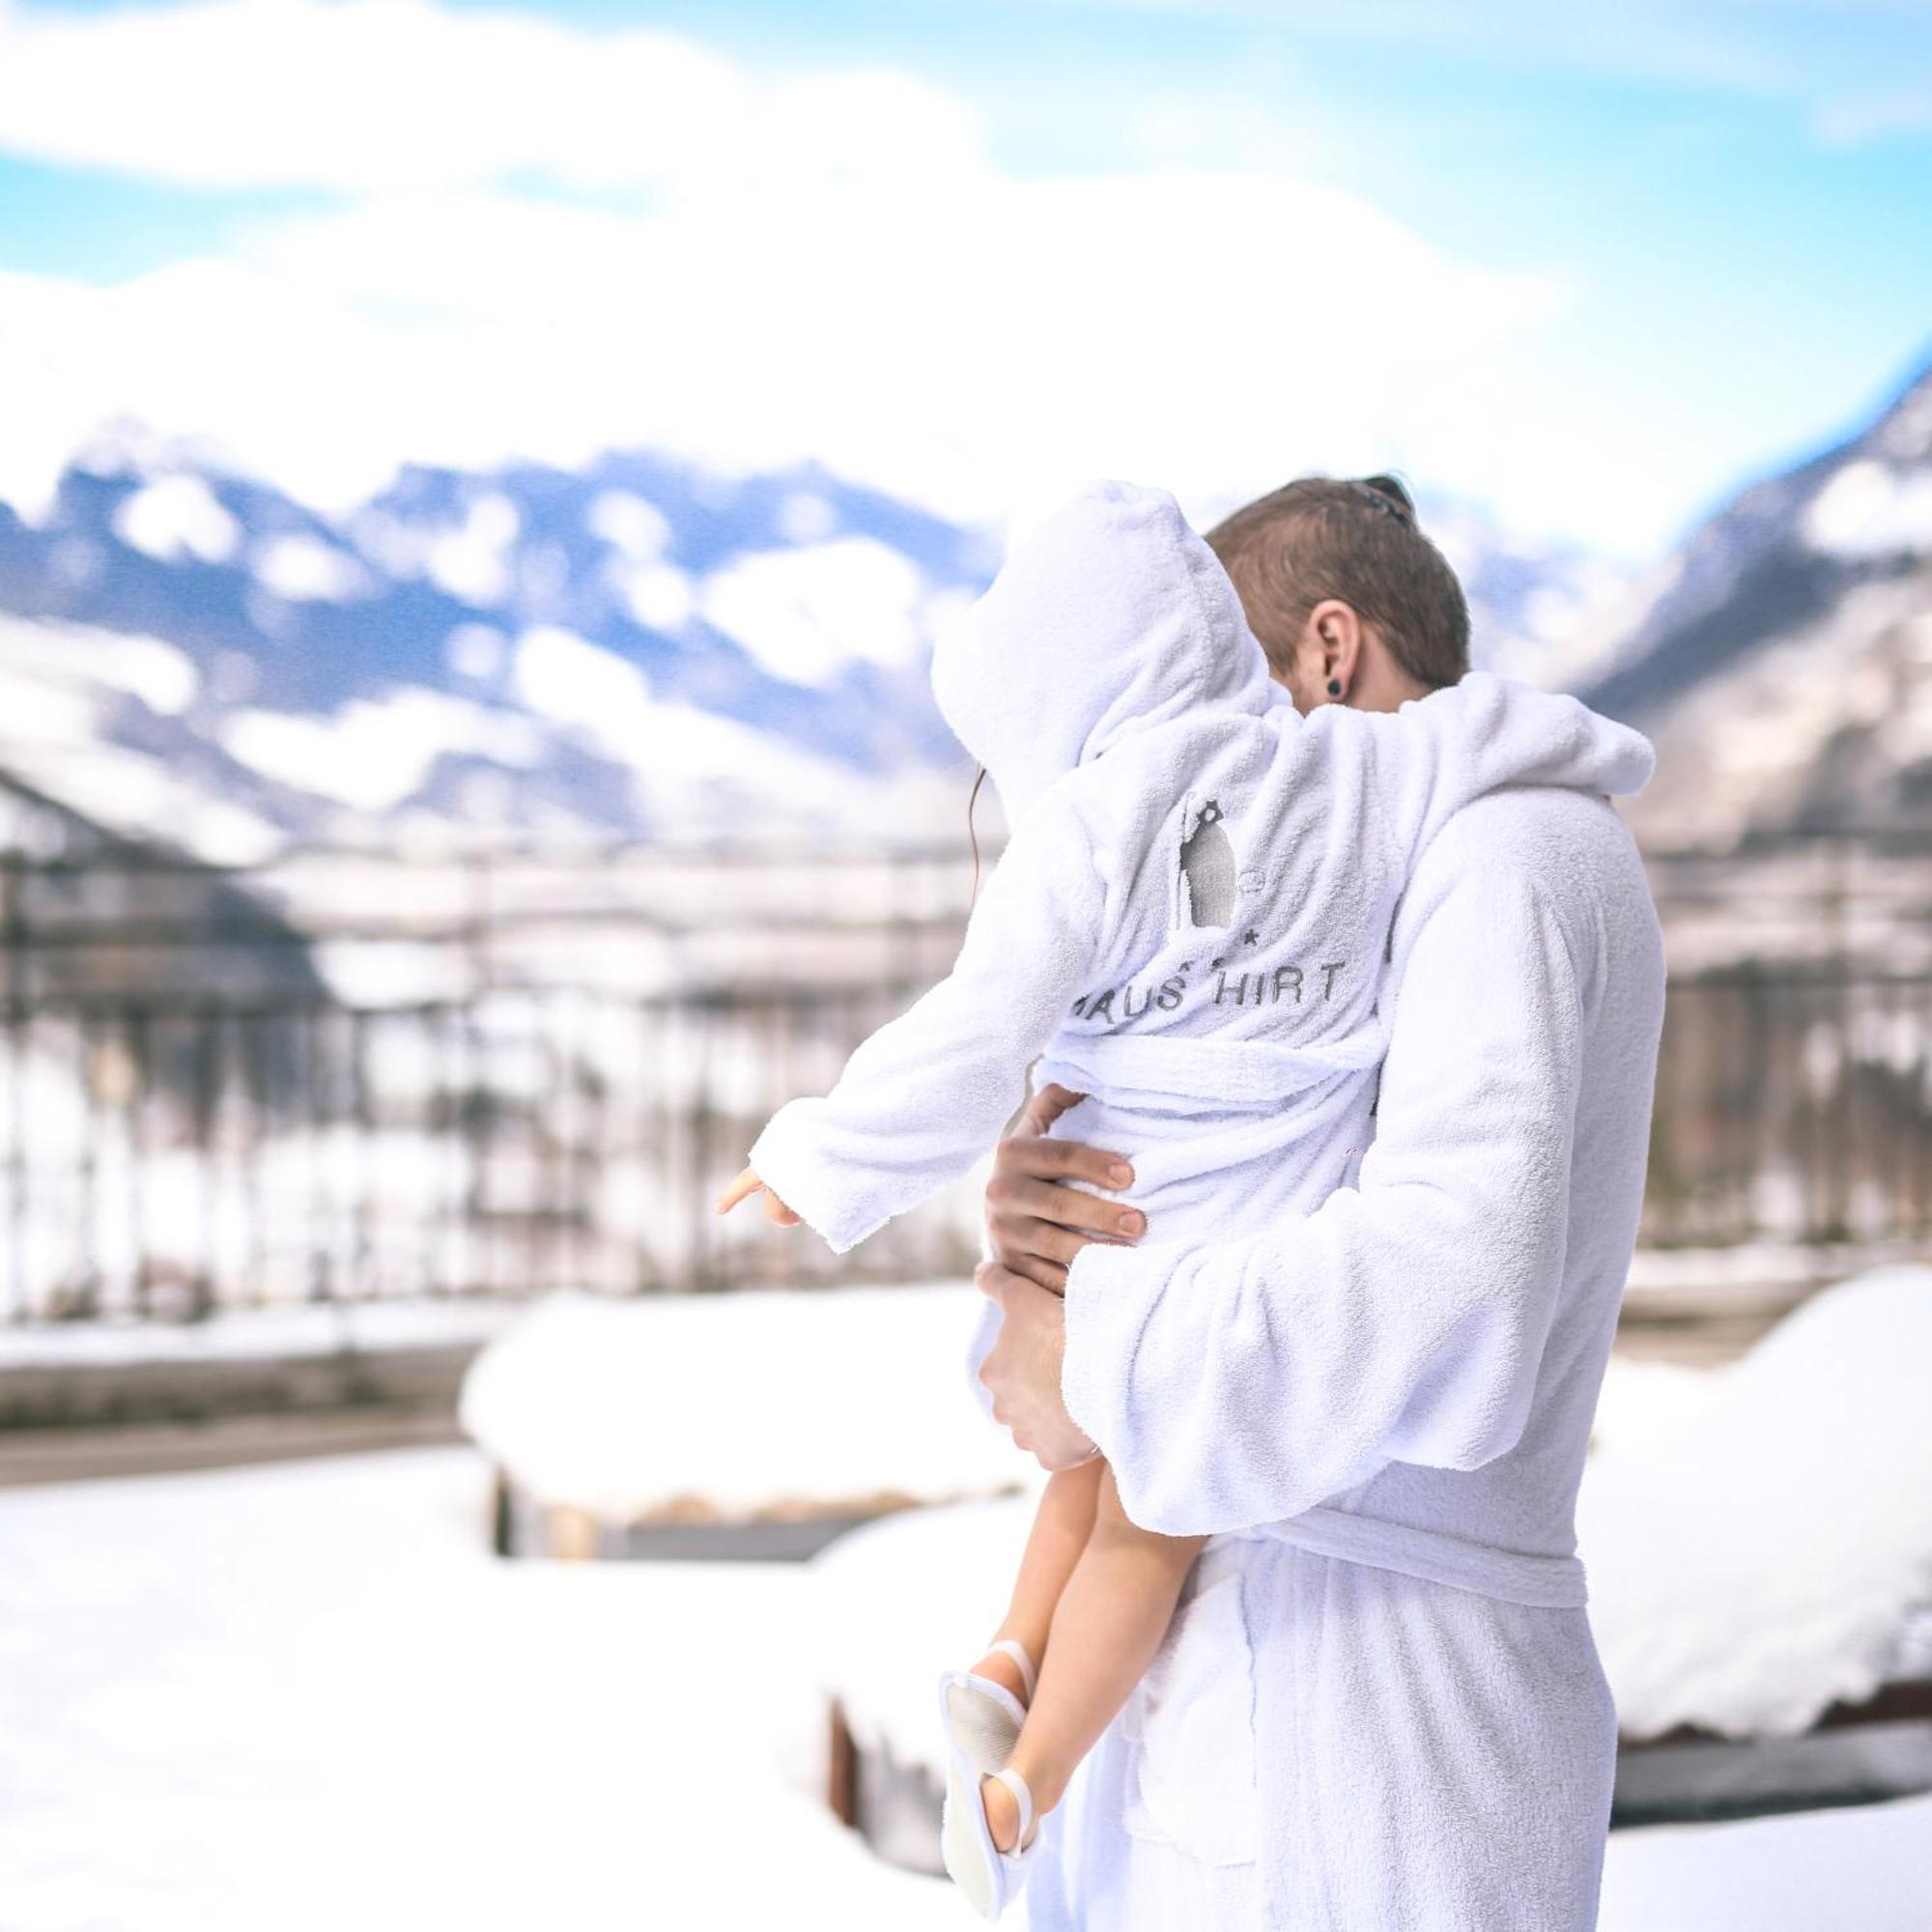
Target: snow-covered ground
(1865,1870)
(305,1696)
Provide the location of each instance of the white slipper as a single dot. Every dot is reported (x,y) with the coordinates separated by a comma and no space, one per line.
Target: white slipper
(983,1717)
(1012,1647)
(990,1878)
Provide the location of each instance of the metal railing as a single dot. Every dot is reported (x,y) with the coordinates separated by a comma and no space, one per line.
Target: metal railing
(180,1132)
(163,1158)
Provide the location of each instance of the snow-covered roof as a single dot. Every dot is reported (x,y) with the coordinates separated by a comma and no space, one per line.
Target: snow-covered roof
(757,1402)
(1761,1556)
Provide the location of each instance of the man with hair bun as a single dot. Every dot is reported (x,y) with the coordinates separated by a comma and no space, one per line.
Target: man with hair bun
(1383,1707)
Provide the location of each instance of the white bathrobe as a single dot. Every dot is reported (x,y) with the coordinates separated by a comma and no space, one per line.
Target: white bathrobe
(1191,918)
(1378,1706)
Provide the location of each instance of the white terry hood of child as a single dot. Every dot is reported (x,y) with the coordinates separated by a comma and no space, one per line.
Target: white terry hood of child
(1112,616)
(1109,682)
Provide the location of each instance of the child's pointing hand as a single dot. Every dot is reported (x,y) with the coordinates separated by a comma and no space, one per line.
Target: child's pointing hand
(748,1182)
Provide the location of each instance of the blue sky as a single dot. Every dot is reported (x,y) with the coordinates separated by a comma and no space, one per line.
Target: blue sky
(1694,241)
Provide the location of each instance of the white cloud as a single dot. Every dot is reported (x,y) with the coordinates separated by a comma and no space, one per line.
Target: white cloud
(828,267)
(1815,53)
(1870,114)
(372,96)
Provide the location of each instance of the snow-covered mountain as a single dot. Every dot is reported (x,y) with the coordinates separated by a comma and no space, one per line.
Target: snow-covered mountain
(1536,608)
(1783,660)
(637,649)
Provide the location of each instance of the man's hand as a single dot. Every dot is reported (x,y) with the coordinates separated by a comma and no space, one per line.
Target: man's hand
(1022,1369)
(1035,1221)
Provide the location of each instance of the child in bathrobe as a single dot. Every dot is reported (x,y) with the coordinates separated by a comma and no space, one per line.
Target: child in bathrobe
(1189,926)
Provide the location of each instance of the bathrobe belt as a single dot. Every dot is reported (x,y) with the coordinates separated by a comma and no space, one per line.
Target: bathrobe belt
(1512,1576)
(1260,1076)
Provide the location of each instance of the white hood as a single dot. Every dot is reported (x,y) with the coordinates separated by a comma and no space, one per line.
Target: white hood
(1113,615)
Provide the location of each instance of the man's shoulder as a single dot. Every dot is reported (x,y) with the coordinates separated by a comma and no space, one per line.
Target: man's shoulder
(1547,832)
(1568,848)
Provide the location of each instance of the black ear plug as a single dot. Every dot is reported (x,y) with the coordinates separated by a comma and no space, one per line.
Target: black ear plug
(1334,687)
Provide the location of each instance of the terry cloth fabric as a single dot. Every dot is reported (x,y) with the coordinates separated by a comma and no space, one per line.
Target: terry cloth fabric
(1408,1374)
(1192,916)
(1417,1736)
(1325,1747)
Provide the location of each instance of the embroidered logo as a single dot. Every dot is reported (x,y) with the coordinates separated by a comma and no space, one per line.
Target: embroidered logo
(1208,870)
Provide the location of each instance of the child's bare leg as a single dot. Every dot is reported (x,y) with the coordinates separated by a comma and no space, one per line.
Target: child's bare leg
(1060,1528)
(1112,1615)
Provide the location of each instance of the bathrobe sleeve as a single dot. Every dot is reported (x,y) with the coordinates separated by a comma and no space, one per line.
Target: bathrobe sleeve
(1435,755)
(1242,1382)
(925,1095)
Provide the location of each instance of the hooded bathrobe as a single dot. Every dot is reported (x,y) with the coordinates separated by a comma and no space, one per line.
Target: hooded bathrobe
(1190,921)
(1378,1706)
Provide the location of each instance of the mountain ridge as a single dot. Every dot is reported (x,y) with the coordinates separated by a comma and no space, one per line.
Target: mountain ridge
(1783,661)
(637,648)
